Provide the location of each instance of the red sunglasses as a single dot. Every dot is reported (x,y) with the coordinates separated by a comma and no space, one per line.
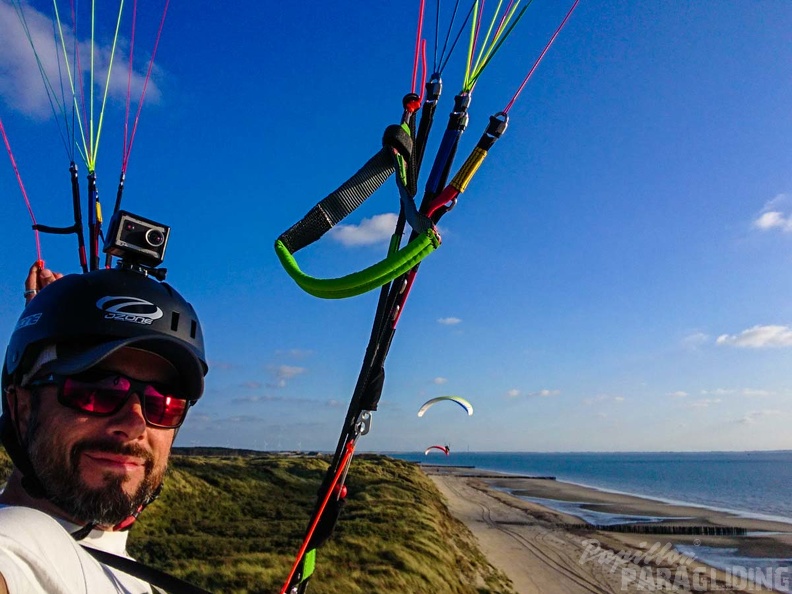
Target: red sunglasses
(104,393)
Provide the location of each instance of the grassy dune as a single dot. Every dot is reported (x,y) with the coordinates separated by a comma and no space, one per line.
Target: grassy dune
(232,522)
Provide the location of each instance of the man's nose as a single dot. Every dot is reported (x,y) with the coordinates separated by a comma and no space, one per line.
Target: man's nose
(130,420)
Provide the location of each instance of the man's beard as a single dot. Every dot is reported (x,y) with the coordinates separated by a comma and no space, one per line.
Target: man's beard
(106,505)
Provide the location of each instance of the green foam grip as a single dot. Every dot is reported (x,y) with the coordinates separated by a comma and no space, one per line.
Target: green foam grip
(309,564)
(363,281)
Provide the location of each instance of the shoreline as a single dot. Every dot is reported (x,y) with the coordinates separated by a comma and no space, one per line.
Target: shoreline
(475,472)
(547,550)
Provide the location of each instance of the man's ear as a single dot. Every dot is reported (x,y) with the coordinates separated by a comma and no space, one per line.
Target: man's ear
(18,407)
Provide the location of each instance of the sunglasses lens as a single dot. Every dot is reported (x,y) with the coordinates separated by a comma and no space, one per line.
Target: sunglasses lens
(100,397)
(107,395)
(162,409)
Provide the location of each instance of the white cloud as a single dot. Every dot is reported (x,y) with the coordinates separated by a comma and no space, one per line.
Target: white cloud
(544,393)
(21,84)
(439,381)
(295,353)
(449,321)
(704,403)
(596,399)
(618,398)
(717,392)
(283,373)
(773,215)
(514,393)
(751,417)
(759,337)
(695,340)
(772,220)
(748,392)
(289,371)
(678,394)
(753,393)
(377,229)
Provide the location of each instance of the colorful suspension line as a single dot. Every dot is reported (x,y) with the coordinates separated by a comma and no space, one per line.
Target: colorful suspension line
(401,153)
(458,119)
(368,388)
(398,265)
(86,118)
(437,206)
(24,192)
(129,136)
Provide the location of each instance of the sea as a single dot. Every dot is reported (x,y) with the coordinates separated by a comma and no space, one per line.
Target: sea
(750,484)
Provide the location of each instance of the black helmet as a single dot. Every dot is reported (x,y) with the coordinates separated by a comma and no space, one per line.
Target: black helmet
(78,320)
(89,316)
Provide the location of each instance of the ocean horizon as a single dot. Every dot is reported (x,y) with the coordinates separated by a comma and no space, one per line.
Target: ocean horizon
(755,484)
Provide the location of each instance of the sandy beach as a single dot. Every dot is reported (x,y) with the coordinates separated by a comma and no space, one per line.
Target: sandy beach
(546,551)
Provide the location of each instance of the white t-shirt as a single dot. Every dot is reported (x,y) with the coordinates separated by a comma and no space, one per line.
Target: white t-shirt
(39,556)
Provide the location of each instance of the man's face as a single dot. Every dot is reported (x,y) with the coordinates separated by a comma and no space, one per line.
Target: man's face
(101,469)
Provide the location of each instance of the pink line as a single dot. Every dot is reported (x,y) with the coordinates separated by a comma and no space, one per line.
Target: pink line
(78,75)
(418,46)
(21,187)
(539,59)
(145,86)
(129,79)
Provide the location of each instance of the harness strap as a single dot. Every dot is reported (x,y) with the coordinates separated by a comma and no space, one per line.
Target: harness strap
(337,205)
(395,156)
(151,575)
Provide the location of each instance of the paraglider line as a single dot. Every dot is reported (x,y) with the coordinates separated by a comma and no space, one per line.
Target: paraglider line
(95,149)
(539,59)
(350,449)
(81,110)
(68,142)
(145,86)
(51,94)
(417,55)
(129,79)
(453,45)
(21,187)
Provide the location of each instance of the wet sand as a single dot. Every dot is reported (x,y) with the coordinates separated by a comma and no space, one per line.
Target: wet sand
(548,552)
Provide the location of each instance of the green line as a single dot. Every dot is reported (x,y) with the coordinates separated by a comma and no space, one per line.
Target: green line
(500,35)
(107,82)
(76,105)
(82,154)
(486,37)
(51,94)
(470,44)
(91,158)
(500,42)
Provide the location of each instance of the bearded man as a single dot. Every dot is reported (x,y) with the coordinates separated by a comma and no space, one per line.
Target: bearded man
(99,374)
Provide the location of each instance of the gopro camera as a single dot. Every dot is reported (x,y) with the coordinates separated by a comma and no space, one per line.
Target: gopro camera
(136,240)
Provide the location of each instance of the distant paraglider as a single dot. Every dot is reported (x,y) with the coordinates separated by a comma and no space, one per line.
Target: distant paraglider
(445,449)
(457,399)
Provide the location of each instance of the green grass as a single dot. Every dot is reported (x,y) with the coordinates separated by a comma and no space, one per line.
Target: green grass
(232,522)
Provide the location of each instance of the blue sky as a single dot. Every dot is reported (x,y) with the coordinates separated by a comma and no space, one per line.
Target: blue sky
(616,277)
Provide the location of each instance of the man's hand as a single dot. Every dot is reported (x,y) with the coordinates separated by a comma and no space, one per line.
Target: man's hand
(38,277)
